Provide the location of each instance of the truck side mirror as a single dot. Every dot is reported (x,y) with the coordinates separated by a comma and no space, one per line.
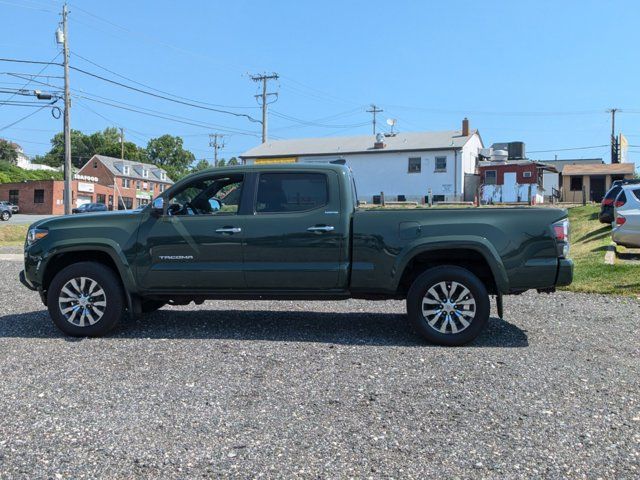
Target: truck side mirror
(157,208)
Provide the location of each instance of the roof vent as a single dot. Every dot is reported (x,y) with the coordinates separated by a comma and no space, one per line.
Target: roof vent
(379,141)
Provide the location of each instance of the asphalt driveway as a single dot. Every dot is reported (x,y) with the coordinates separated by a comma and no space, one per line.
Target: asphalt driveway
(311,389)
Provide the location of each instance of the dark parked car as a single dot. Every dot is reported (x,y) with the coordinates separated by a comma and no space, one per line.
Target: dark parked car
(14,208)
(90,208)
(5,213)
(608,202)
(292,233)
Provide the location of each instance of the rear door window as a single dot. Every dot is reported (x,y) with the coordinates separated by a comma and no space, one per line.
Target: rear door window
(636,192)
(291,192)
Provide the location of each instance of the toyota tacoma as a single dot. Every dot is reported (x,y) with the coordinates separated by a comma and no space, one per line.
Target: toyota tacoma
(292,232)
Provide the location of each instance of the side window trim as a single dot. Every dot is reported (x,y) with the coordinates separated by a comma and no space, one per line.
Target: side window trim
(257,186)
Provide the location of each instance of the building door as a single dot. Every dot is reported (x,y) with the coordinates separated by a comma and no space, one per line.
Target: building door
(598,188)
(510,188)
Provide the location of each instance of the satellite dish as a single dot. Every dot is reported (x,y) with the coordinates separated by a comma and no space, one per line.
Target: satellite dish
(391,121)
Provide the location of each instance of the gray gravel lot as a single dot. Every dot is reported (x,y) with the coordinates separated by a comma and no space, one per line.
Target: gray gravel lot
(309,389)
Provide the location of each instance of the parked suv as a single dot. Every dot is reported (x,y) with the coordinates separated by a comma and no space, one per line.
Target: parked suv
(292,232)
(14,208)
(607,206)
(626,231)
(90,207)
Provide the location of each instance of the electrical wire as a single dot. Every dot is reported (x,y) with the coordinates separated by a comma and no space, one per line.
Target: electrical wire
(120,84)
(155,89)
(31,80)
(23,118)
(566,149)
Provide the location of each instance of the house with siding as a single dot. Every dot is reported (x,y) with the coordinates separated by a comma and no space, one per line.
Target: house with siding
(405,166)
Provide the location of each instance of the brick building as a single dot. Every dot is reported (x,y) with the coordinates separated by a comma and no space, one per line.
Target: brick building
(117,183)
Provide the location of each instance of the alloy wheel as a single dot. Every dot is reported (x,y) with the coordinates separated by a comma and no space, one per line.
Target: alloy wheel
(449,307)
(82,301)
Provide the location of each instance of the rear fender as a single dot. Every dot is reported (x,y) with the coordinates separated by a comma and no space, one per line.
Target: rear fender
(458,242)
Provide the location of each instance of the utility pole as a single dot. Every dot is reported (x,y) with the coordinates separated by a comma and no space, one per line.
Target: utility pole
(121,143)
(68,173)
(374,110)
(614,141)
(213,142)
(263,99)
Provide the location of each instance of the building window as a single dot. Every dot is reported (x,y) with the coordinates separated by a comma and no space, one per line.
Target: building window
(151,186)
(163,176)
(162,187)
(142,202)
(576,184)
(125,169)
(490,177)
(126,183)
(145,172)
(441,164)
(526,174)
(13,196)
(101,198)
(415,165)
(95,164)
(438,198)
(38,196)
(138,184)
(125,203)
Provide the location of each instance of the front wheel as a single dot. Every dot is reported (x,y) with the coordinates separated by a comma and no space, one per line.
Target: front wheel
(5,216)
(448,305)
(85,299)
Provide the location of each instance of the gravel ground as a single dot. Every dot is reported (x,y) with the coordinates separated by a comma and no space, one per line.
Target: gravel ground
(310,389)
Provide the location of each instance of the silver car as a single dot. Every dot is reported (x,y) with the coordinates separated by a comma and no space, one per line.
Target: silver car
(626,223)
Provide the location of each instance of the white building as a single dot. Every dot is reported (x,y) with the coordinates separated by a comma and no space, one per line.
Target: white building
(405,166)
(24,162)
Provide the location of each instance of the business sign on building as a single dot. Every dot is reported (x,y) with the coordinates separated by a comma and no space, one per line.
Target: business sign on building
(265,161)
(86,178)
(144,195)
(86,187)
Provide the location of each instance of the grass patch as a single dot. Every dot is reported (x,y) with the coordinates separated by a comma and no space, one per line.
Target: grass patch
(12,234)
(589,240)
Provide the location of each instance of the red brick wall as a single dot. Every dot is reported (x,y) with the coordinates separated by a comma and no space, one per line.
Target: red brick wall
(518,169)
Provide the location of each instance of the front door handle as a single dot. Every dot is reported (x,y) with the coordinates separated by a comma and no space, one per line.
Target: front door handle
(229,230)
(321,228)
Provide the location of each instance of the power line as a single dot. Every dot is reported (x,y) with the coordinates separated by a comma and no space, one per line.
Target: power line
(155,89)
(33,62)
(566,149)
(32,79)
(120,84)
(23,118)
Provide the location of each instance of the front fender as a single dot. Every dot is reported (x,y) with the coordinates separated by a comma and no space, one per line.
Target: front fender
(459,242)
(105,245)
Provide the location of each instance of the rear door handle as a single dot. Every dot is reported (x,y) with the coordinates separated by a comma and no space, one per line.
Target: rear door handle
(229,230)
(321,228)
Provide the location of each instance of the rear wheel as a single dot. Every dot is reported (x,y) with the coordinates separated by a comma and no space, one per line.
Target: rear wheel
(448,305)
(85,299)
(5,216)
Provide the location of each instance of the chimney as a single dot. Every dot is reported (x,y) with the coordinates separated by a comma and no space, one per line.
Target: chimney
(465,127)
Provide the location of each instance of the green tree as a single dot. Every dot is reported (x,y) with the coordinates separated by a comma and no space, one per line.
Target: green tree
(83,147)
(201,165)
(168,153)
(233,161)
(8,152)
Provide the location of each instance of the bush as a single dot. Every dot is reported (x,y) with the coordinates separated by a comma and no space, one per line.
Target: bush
(10,173)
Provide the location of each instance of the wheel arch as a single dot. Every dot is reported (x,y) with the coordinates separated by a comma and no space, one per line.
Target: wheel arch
(104,255)
(476,255)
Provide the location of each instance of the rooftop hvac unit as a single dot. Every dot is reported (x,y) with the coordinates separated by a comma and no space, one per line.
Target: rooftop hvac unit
(500,156)
(516,151)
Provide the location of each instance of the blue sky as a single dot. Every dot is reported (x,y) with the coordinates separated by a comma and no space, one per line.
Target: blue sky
(542,72)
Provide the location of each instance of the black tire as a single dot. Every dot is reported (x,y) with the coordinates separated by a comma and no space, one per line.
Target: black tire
(420,291)
(5,216)
(112,296)
(150,306)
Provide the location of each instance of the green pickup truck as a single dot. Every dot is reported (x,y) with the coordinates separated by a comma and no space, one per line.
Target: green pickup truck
(292,232)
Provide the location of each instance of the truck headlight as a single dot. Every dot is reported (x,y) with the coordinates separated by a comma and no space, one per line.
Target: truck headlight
(36,234)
